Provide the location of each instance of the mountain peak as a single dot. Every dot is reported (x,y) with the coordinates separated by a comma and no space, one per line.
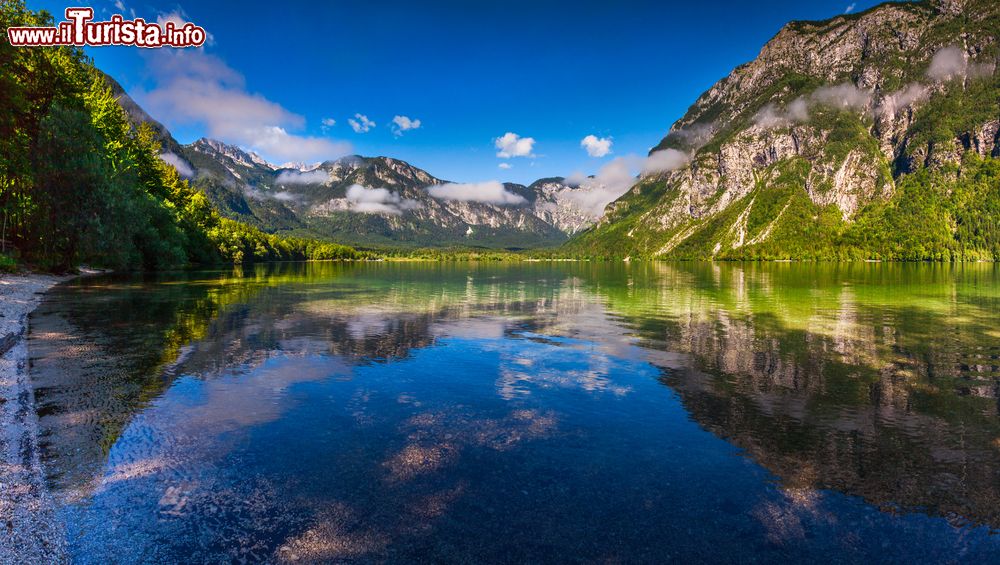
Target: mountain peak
(238,154)
(300,166)
(825,125)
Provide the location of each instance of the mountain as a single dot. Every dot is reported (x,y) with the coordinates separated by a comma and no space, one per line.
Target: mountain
(372,201)
(869,135)
(379,201)
(137,116)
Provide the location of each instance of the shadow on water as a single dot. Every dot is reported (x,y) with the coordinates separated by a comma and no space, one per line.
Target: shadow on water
(518,412)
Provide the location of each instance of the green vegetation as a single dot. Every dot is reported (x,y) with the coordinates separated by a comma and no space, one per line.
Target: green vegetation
(79,183)
(467,254)
(862,185)
(955,112)
(7,263)
(951,213)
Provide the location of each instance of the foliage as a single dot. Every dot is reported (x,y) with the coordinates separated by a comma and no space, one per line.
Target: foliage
(950,213)
(955,111)
(7,264)
(79,183)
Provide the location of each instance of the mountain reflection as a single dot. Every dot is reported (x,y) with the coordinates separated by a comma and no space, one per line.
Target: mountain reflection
(879,381)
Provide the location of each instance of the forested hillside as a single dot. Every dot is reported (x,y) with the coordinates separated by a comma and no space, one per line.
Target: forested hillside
(80,184)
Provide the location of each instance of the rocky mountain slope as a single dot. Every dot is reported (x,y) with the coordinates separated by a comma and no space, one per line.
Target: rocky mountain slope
(372,201)
(869,135)
(380,201)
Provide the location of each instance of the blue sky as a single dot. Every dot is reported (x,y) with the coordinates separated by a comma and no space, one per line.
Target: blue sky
(470,72)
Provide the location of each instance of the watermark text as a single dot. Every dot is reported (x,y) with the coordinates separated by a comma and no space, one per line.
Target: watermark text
(79,29)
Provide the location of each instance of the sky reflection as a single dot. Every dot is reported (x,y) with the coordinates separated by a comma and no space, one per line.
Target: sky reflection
(527,412)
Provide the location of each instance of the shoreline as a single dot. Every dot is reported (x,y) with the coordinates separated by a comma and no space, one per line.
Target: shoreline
(32,531)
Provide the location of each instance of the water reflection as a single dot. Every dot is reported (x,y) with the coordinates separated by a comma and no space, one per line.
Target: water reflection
(468,412)
(884,391)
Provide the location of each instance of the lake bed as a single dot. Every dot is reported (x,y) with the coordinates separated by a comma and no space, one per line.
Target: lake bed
(628,412)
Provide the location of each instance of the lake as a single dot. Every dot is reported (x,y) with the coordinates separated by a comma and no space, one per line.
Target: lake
(593,412)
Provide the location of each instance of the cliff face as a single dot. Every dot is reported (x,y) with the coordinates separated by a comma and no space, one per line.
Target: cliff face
(831,125)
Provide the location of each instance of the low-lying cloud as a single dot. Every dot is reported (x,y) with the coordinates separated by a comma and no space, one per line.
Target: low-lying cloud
(951,62)
(592,195)
(902,98)
(947,63)
(489,192)
(665,160)
(178,163)
(845,96)
(262,195)
(694,136)
(317,176)
(194,88)
(378,201)
(512,145)
(596,146)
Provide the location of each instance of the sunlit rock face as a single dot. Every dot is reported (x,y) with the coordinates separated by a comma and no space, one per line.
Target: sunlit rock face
(824,122)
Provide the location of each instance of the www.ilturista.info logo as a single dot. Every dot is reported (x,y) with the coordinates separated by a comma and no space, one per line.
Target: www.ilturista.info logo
(78,29)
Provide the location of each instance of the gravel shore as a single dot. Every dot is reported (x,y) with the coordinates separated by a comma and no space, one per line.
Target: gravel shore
(31,531)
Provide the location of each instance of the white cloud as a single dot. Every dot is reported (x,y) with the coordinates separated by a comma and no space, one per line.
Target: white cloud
(504,166)
(361,124)
(850,8)
(489,192)
(596,146)
(950,62)
(327,123)
(593,194)
(844,95)
(665,160)
(902,98)
(123,9)
(694,136)
(403,123)
(378,201)
(947,63)
(285,196)
(977,70)
(770,117)
(194,88)
(183,168)
(281,196)
(317,176)
(177,17)
(575,179)
(513,145)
